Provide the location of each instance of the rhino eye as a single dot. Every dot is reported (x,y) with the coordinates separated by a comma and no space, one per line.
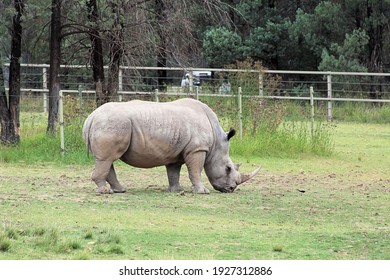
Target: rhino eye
(228,169)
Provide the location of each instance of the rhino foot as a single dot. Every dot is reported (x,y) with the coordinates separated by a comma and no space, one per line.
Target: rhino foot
(104,190)
(118,189)
(175,188)
(201,190)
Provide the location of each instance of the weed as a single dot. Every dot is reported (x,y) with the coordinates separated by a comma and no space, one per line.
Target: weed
(88,235)
(12,233)
(38,232)
(69,246)
(5,244)
(115,249)
(82,256)
(277,248)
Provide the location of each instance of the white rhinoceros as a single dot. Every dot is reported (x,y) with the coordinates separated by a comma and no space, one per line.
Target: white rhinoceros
(147,134)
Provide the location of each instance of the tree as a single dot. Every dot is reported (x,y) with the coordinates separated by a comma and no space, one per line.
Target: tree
(55,63)
(10,108)
(348,56)
(116,46)
(96,53)
(221,46)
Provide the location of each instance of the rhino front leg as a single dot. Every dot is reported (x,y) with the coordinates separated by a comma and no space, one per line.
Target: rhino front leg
(173,172)
(99,176)
(113,181)
(195,163)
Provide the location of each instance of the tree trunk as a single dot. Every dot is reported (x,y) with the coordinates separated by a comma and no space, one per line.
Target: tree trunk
(116,51)
(375,46)
(10,110)
(7,125)
(55,62)
(161,48)
(96,54)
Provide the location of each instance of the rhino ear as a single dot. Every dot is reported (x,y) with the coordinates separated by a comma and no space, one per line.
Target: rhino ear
(237,165)
(231,133)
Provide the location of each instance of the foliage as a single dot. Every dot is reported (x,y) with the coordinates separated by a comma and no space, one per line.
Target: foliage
(346,57)
(221,46)
(319,28)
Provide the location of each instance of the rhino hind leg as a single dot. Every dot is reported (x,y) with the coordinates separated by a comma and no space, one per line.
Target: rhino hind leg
(113,181)
(99,176)
(173,172)
(195,163)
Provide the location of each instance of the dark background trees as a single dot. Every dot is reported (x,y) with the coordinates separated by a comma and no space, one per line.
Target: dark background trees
(337,35)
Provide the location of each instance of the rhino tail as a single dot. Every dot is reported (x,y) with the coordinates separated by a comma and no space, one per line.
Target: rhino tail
(87,135)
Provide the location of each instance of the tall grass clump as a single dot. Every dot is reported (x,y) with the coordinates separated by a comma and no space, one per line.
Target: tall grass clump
(361,112)
(266,131)
(38,146)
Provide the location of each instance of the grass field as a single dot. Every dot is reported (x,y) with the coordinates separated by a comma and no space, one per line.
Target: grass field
(342,211)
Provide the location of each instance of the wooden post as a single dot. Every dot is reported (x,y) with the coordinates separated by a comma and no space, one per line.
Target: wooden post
(120,84)
(44,86)
(312,113)
(191,81)
(197,92)
(81,96)
(240,112)
(156,95)
(61,121)
(329,84)
(261,85)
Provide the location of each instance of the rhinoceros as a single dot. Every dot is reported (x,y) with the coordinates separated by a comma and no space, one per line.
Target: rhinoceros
(149,134)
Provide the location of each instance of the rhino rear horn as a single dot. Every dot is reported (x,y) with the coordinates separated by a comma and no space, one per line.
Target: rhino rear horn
(246,177)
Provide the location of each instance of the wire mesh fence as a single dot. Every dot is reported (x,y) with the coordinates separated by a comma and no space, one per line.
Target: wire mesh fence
(265,94)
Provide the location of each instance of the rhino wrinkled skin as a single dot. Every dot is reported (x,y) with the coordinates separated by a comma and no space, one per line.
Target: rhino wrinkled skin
(148,134)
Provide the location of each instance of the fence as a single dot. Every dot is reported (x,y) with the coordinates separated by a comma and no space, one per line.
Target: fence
(326,87)
(292,85)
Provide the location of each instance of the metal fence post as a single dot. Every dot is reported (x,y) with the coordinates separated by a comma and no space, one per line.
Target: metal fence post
(329,84)
(240,112)
(197,92)
(61,121)
(312,113)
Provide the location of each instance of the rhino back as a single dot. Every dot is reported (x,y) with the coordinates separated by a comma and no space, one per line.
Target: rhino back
(149,134)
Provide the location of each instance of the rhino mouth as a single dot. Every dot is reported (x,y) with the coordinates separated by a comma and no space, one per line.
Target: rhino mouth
(224,189)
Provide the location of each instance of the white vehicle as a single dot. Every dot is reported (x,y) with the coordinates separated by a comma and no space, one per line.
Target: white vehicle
(198,77)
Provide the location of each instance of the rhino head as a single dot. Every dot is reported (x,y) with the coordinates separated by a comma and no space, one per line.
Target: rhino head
(222,173)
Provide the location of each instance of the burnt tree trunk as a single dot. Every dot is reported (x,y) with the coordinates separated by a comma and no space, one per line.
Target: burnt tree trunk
(55,62)
(115,50)
(96,54)
(161,48)
(375,47)
(10,108)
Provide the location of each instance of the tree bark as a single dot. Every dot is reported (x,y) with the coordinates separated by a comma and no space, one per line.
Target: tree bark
(375,46)
(115,50)
(55,62)
(10,109)
(97,54)
(161,48)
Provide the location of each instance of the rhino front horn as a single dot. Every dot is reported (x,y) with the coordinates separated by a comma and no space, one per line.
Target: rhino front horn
(246,177)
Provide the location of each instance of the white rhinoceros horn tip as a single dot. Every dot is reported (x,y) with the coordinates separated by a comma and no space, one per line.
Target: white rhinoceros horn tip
(246,177)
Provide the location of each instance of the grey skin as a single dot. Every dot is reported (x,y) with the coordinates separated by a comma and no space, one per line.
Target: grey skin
(148,134)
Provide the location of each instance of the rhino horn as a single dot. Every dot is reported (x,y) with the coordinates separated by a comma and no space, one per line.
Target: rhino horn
(246,177)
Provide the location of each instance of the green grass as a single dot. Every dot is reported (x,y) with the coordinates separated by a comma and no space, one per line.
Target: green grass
(52,212)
